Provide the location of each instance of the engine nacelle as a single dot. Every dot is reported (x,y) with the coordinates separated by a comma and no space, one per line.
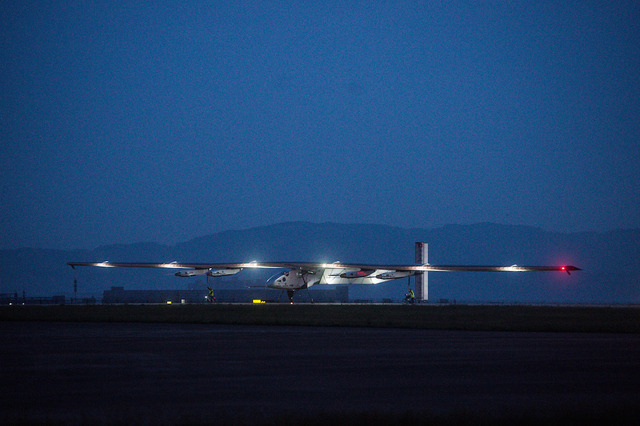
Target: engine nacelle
(191,273)
(393,275)
(223,272)
(357,274)
(209,272)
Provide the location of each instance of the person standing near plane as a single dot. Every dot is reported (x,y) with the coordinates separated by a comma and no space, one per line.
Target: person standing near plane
(410,297)
(210,295)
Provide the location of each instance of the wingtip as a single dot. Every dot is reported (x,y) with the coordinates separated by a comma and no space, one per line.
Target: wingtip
(570,268)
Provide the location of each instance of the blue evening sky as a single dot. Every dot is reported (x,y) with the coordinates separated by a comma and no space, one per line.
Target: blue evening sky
(162,121)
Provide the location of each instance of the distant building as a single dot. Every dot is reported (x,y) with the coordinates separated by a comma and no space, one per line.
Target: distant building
(8,298)
(336,294)
(14,299)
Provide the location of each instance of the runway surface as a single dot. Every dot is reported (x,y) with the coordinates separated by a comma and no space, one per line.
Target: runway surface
(166,372)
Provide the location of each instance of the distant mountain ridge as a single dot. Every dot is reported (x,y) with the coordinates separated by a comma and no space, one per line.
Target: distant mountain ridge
(611,261)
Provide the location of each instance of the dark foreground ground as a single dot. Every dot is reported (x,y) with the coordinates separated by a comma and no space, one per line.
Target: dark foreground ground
(160,373)
(443,317)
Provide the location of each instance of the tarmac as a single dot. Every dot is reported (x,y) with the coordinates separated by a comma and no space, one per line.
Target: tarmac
(176,373)
(424,316)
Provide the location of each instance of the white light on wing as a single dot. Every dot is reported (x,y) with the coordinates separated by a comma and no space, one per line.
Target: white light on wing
(169,265)
(512,268)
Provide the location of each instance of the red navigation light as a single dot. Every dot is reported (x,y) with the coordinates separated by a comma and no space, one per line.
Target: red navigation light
(564,268)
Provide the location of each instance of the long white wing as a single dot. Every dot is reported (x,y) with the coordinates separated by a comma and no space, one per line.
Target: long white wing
(337,266)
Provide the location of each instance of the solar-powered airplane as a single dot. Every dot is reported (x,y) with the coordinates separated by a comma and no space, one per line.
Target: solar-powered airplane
(302,275)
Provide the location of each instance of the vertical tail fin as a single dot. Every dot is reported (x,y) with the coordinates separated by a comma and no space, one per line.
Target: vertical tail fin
(422,280)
